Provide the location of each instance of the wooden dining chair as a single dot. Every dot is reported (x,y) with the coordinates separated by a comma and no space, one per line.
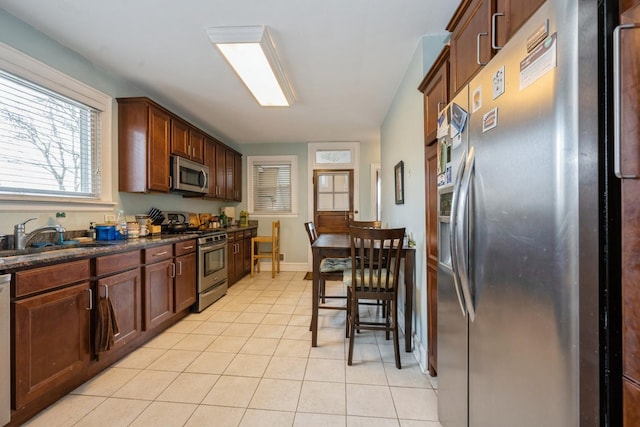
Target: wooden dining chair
(376,254)
(258,252)
(330,268)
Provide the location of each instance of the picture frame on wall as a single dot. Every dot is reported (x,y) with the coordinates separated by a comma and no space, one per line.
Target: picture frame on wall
(399,179)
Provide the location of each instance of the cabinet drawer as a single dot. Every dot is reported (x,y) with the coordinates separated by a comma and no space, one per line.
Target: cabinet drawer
(186,247)
(248,233)
(43,278)
(117,262)
(231,236)
(158,253)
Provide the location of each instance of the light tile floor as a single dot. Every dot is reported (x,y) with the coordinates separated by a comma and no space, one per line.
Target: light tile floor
(247,361)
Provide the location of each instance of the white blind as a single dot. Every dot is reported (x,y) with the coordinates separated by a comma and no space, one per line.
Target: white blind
(272,187)
(48,142)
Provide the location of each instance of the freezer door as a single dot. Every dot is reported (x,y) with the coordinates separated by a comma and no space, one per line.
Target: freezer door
(452,319)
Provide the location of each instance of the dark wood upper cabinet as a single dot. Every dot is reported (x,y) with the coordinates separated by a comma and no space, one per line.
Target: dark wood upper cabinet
(435,87)
(144,133)
(479,28)
(179,138)
(196,145)
(510,16)
(470,29)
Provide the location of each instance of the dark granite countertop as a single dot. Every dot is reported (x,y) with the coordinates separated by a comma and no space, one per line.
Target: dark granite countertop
(33,258)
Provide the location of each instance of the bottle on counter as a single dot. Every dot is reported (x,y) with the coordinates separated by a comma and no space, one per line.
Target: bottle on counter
(92,231)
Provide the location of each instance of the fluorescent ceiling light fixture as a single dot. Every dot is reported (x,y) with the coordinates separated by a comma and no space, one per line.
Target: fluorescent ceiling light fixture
(252,55)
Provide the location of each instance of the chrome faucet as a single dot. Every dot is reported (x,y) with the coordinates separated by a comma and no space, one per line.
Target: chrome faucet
(21,239)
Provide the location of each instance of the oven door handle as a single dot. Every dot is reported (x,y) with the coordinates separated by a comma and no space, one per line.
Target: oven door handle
(210,247)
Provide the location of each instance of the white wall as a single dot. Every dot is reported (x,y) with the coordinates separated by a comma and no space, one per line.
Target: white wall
(402,139)
(26,39)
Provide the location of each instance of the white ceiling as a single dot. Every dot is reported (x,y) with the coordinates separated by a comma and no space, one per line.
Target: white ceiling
(344,58)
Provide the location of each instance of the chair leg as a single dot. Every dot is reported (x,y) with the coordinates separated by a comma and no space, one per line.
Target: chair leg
(253,259)
(348,315)
(354,307)
(273,265)
(396,341)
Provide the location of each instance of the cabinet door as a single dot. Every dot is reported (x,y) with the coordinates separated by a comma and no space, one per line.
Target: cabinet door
(231,257)
(246,254)
(158,293)
(239,261)
(237,178)
(625,5)
(179,138)
(229,185)
(185,282)
(52,337)
(125,292)
(630,404)
(158,160)
(435,87)
(196,145)
(221,171)
(470,37)
(514,13)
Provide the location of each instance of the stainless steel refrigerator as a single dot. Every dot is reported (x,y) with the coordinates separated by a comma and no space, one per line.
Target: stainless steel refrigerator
(518,232)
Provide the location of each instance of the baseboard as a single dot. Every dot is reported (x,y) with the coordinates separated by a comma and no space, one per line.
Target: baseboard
(419,350)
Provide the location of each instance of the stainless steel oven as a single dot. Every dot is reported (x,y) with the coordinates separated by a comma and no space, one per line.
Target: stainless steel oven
(212,269)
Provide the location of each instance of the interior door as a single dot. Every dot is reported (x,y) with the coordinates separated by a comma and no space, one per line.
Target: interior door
(332,200)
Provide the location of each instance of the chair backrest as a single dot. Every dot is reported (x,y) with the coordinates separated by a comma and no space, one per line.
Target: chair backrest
(275,234)
(365,224)
(311,232)
(376,253)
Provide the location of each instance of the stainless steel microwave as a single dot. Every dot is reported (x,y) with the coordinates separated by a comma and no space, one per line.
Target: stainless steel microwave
(189,176)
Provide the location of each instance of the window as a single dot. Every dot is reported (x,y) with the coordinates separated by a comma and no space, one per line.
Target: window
(53,142)
(271,184)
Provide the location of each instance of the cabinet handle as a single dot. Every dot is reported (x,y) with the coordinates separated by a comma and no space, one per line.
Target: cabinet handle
(170,182)
(90,300)
(160,253)
(494,41)
(478,48)
(617,102)
(180,268)
(173,270)
(188,247)
(439,104)
(106,291)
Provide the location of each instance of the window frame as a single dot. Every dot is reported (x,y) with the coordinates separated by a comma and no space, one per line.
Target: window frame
(28,68)
(258,160)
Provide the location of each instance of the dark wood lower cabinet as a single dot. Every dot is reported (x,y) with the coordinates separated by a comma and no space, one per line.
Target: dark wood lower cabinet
(158,293)
(185,282)
(52,341)
(125,292)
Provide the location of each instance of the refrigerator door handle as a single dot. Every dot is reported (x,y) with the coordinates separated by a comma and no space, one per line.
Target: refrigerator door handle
(617,102)
(462,245)
(452,233)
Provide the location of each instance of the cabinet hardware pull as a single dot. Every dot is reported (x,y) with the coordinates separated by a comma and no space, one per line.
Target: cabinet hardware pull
(188,247)
(160,253)
(90,300)
(617,102)
(494,41)
(173,270)
(180,269)
(438,107)
(106,291)
(478,48)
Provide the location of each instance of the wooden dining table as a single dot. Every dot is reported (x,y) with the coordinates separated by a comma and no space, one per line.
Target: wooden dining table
(338,246)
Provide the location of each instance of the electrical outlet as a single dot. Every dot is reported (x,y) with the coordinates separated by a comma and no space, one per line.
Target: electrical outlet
(281,257)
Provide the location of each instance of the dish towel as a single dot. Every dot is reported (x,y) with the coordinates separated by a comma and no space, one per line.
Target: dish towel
(106,325)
